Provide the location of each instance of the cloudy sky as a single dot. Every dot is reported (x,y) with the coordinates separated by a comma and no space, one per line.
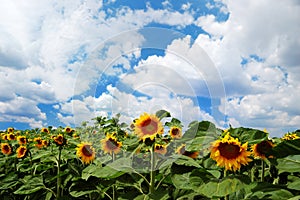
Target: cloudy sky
(229,62)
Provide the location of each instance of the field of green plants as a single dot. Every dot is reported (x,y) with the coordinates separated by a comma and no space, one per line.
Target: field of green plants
(155,157)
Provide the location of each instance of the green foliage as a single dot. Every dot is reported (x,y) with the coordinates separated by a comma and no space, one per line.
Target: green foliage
(138,171)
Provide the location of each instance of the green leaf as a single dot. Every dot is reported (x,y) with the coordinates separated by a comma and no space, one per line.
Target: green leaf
(200,143)
(293,182)
(295,198)
(31,185)
(79,189)
(162,114)
(264,190)
(286,148)
(221,188)
(185,160)
(182,181)
(252,136)
(289,164)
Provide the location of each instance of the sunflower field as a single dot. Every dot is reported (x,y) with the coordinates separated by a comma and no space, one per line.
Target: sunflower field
(154,157)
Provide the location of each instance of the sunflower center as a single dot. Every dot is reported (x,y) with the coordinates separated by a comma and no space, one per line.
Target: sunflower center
(6,148)
(112,144)
(22,150)
(175,131)
(229,151)
(87,151)
(149,126)
(263,147)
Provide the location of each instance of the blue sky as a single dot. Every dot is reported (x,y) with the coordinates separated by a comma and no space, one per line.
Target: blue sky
(229,62)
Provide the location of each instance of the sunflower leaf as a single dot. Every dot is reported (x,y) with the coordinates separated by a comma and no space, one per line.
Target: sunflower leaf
(162,114)
(289,164)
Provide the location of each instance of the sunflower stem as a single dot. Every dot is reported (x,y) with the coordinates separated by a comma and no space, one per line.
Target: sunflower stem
(58,173)
(152,171)
(113,156)
(226,173)
(263,165)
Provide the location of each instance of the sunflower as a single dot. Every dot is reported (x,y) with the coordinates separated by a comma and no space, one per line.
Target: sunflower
(6,148)
(45,143)
(85,152)
(181,150)
(161,149)
(11,136)
(148,126)
(10,130)
(290,136)
(5,137)
(59,140)
(21,151)
(110,144)
(175,132)
(45,130)
(22,140)
(259,150)
(39,142)
(68,129)
(229,153)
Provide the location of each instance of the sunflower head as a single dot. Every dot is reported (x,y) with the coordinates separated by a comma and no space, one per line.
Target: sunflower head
(10,130)
(161,149)
(175,132)
(261,149)
(85,152)
(45,130)
(60,140)
(181,150)
(5,137)
(21,152)
(111,145)
(6,148)
(45,143)
(290,136)
(22,140)
(38,142)
(148,126)
(11,136)
(229,153)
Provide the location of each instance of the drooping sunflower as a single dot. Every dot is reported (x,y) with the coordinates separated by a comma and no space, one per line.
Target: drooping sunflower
(148,126)
(229,153)
(39,142)
(290,136)
(45,130)
(6,148)
(85,152)
(181,150)
(259,150)
(161,149)
(22,140)
(21,151)
(111,145)
(175,132)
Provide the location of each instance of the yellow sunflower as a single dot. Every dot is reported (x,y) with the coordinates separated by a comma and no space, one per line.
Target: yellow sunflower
(68,129)
(161,149)
(259,150)
(175,132)
(39,142)
(5,137)
(110,144)
(22,140)
(85,152)
(10,130)
(229,153)
(45,130)
(148,126)
(6,148)
(181,150)
(21,151)
(59,140)
(45,143)
(290,136)
(11,136)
